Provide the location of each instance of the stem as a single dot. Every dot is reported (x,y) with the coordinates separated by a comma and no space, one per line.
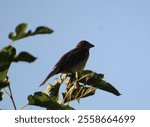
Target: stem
(6,92)
(11,97)
(11,43)
(24,107)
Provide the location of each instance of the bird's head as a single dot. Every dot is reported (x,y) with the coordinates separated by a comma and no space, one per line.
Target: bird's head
(84,44)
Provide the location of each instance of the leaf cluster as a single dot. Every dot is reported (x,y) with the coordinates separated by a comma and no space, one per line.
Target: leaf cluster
(80,85)
(20,32)
(9,55)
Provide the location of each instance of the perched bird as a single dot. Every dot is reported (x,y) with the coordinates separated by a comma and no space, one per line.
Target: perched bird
(72,61)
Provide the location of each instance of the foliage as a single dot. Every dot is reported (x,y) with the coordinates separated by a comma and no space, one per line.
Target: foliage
(80,85)
(8,53)
(21,32)
(43,100)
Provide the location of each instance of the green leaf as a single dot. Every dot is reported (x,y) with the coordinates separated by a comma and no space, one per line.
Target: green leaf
(42,30)
(4,84)
(88,74)
(6,56)
(21,28)
(24,56)
(96,80)
(54,92)
(11,36)
(43,100)
(20,32)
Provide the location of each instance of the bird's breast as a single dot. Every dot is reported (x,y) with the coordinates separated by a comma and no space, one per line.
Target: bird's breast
(79,66)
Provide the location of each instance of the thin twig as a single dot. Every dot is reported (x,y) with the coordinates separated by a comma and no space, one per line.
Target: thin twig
(6,92)
(11,97)
(24,107)
(11,43)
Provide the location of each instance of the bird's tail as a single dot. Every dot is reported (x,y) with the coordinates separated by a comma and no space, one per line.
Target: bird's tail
(53,72)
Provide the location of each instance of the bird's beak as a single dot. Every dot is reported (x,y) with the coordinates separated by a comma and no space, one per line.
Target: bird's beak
(91,45)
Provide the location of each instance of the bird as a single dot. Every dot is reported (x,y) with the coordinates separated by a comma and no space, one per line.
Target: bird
(72,61)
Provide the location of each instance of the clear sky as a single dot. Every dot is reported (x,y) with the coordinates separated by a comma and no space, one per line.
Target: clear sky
(119,29)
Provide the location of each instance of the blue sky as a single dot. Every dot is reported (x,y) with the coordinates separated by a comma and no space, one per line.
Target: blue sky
(119,29)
